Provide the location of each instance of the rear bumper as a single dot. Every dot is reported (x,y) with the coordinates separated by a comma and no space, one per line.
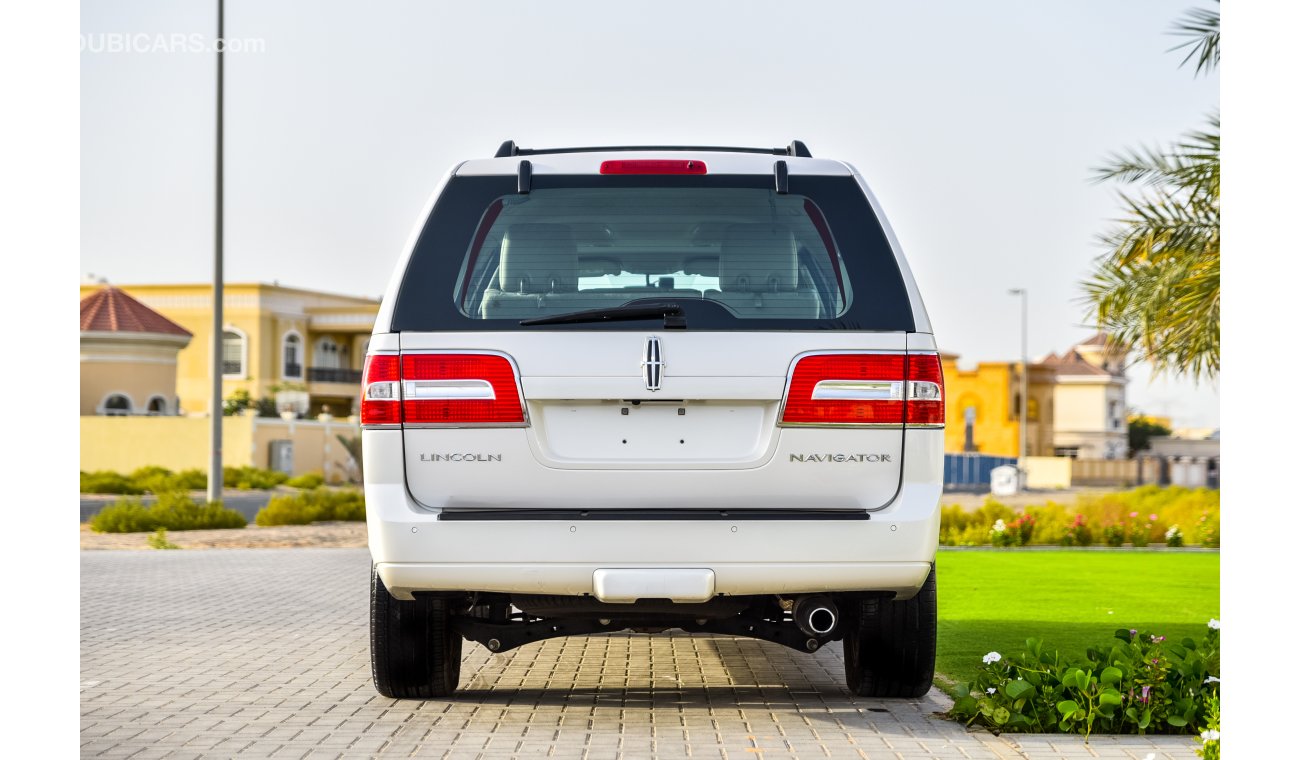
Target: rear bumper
(901,578)
(413,550)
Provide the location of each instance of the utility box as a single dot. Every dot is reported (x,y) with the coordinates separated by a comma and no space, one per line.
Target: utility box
(1005,480)
(282,456)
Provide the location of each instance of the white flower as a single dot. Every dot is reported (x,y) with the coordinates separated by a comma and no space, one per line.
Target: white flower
(1211,679)
(1173,531)
(999,527)
(991,658)
(1210,735)
(1213,624)
(991,690)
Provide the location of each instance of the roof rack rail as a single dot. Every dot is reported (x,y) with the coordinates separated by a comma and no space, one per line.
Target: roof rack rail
(795,148)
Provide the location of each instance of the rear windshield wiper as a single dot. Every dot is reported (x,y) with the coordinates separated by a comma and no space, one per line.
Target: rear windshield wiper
(673,315)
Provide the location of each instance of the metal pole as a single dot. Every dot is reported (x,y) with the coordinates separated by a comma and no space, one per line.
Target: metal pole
(218,277)
(1024,373)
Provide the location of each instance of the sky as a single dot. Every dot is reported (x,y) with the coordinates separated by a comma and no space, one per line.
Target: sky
(977,126)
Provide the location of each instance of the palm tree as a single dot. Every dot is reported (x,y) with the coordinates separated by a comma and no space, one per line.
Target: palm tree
(1156,289)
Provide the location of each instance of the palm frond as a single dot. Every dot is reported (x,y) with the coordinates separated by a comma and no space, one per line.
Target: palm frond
(1157,287)
(1191,165)
(1201,27)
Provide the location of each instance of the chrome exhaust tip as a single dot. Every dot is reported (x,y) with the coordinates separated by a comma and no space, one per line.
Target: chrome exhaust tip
(816,615)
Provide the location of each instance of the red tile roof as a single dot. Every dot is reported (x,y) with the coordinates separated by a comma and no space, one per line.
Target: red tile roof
(1071,363)
(112,310)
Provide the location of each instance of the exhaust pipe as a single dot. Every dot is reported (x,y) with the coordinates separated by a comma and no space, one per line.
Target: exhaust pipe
(816,615)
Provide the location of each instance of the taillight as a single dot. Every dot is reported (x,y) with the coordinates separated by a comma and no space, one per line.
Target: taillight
(653,166)
(865,390)
(924,391)
(380,390)
(460,389)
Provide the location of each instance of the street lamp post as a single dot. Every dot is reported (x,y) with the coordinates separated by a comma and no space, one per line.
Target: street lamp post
(218,276)
(1024,374)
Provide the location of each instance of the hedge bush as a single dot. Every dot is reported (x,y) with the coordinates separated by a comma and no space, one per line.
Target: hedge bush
(306,480)
(1136,684)
(103,481)
(251,478)
(173,511)
(1137,516)
(157,480)
(315,505)
(161,480)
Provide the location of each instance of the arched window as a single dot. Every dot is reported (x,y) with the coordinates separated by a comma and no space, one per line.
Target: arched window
(157,405)
(292,369)
(234,352)
(116,405)
(327,354)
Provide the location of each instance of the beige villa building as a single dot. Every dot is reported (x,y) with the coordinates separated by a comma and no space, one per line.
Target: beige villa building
(128,356)
(302,348)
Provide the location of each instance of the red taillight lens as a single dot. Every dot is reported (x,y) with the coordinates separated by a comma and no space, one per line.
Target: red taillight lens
(381,390)
(865,389)
(459,389)
(846,389)
(653,166)
(924,390)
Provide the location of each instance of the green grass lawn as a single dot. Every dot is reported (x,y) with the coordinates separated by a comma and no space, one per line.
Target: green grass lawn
(994,600)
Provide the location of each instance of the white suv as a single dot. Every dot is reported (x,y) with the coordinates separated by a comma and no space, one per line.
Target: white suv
(649,388)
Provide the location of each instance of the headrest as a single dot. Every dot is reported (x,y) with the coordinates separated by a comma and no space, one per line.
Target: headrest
(539,258)
(758,258)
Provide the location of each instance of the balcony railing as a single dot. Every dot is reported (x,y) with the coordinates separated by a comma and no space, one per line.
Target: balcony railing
(325,375)
(293,370)
(232,368)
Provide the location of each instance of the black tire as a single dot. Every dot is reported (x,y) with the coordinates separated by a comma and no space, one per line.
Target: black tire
(889,645)
(414,653)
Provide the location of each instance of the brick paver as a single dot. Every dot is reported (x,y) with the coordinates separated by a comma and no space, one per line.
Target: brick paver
(263,653)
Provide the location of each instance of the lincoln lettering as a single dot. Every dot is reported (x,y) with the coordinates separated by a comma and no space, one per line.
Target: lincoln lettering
(460,457)
(839,457)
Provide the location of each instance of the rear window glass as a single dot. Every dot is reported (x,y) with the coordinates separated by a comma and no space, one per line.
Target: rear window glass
(729,249)
(756,253)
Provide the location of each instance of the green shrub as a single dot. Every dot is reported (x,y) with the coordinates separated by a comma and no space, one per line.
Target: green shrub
(123,516)
(252,478)
(1078,533)
(307,480)
(1136,515)
(173,511)
(315,505)
(191,480)
(159,480)
(1209,749)
(1137,684)
(177,511)
(158,540)
(104,481)
(151,479)
(1174,537)
(1207,531)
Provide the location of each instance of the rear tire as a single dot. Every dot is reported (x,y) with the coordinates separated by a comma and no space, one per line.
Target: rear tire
(889,645)
(414,653)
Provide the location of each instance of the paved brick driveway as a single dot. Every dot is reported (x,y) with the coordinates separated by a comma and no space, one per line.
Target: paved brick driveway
(263,652)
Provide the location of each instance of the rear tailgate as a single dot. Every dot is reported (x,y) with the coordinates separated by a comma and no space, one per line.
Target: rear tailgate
(732,404)
(709,438)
